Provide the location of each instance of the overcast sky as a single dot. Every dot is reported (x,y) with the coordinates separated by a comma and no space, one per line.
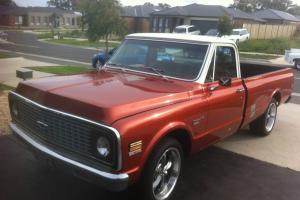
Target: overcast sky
(138,2)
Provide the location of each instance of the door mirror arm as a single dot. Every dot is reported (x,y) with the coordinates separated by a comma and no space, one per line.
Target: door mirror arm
(225,81)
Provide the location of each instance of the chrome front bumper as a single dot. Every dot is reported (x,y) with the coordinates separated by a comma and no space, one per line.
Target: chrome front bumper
(109,181)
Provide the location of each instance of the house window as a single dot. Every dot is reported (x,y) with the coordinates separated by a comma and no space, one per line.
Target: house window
(154,24)
(46,20)
(161,20)
(167,23)
(73,21)
(38,20)
(18,20)
(33,20)
(69,21)
(63,21)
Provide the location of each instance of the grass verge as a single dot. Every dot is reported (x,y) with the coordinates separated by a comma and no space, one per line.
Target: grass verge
(271,46)
(62,70)
(81,43)
(4,87)
(257,56)
(6,55)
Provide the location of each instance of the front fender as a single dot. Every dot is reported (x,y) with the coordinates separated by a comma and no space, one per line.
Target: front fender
(150,128)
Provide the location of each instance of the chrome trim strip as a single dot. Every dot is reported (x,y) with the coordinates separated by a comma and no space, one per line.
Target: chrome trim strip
(80,118)
(44,149)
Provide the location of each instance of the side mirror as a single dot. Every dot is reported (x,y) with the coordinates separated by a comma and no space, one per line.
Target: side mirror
(225,81)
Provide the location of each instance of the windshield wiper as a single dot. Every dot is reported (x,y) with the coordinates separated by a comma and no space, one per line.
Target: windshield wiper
(154,69)
(116,66)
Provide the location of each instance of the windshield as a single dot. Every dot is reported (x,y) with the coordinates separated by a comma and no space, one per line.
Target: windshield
(180,30)
(212,32)
(168,59)
(235,33)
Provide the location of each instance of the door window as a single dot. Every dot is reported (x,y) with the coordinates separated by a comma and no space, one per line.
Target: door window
(223,64)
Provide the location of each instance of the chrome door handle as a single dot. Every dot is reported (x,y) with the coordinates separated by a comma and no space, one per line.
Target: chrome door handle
(240,90)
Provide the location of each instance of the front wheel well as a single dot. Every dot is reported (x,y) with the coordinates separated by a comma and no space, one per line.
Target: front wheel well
(183,137)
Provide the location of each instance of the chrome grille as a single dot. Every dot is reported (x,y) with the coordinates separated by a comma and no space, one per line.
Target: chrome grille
(71,134)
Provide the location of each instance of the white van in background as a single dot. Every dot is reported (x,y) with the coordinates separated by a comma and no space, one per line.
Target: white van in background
(187,29)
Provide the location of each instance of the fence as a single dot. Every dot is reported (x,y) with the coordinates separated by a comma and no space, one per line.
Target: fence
(264,31)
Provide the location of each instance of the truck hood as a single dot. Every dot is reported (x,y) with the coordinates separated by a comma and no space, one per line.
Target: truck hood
(105,96)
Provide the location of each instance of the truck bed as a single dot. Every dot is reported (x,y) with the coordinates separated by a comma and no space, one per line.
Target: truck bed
(261,82)
(252,69)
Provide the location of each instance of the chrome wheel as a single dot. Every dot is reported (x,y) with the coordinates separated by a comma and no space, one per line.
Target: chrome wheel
(166,174)
(271,117)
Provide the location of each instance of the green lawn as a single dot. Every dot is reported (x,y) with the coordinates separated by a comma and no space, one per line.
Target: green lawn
(62,70)
(4,87)
(81,43)
(270,46)
(257,56)
(6,55)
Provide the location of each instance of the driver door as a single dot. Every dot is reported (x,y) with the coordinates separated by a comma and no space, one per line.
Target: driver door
(226,103)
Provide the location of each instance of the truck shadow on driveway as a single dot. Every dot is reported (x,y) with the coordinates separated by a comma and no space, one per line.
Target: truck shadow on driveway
(211,174)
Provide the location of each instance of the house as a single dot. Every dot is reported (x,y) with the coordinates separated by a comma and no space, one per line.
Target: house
(38,17)
(204,17)
(272,16)
(137,18)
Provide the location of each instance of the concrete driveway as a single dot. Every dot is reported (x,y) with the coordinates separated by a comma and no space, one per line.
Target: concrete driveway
(211,174)
(242,167)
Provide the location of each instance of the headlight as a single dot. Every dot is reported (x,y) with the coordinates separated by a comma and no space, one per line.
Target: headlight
(14,109)
(103,147)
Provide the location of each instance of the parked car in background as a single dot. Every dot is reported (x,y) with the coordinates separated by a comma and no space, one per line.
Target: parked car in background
(102,57)
(213,33)
(292,56)
(3,35)
(157,100)
(238,35)
(187,29)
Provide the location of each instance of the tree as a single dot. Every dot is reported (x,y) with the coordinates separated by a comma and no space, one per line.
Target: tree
(103,19)
(164,5)
(294,10)
(148,4)
(62,4)
(7,3)
(225,26)
(254,5)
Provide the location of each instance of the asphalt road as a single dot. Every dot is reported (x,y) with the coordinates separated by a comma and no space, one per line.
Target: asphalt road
(210,175)
(28,43)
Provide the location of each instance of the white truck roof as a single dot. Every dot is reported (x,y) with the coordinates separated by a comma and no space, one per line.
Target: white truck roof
(184,37)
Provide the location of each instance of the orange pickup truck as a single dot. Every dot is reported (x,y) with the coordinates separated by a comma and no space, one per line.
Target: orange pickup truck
(158,99)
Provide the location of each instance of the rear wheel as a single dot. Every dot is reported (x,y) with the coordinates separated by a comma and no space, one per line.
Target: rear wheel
(264,125)
(297,64)
(162,172)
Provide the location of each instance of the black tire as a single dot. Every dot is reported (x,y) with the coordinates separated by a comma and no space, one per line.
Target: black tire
(147,179)
(297,64)
(262,126)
